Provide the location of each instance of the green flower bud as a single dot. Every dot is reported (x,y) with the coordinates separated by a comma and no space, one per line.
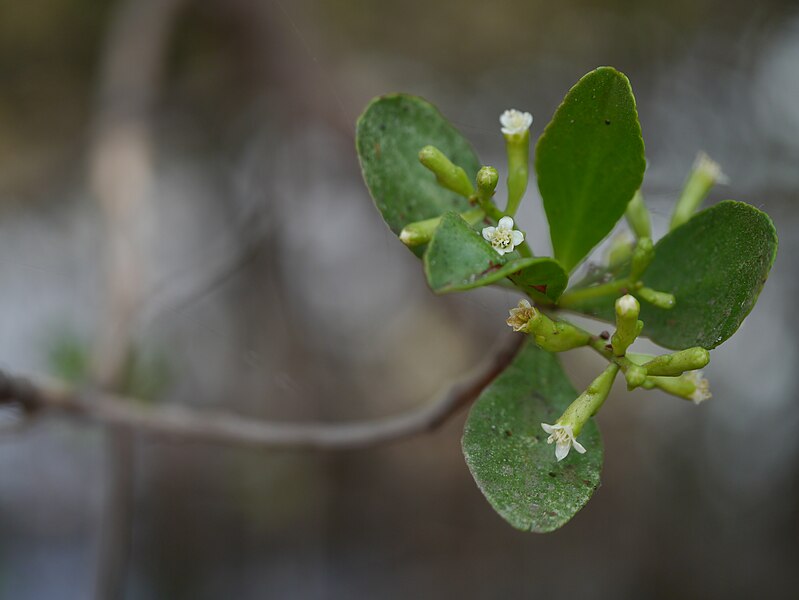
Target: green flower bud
(627,324)
(642,256)
(655,298)
(620,250)
(638,216)
(420,232)
(448,174)
(487,179)
(678,362)
(704,175)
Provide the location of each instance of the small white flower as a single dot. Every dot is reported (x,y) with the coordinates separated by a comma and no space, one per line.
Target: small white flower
(710,168)
(701,387)
(520,315)
(563,437)
(515,122)
(503,237)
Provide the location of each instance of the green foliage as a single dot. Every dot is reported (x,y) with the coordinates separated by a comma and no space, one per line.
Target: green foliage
(590,162)
(458,258)
(389,135)
(695,285)
(544,280)
(715,265)
(507,452)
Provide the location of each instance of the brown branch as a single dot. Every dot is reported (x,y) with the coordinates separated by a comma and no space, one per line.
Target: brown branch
(190,424)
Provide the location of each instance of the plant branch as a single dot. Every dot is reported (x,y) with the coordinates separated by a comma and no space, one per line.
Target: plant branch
(615,287)
(190,424)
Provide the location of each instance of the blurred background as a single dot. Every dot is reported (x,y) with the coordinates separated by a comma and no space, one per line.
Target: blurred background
(178,179)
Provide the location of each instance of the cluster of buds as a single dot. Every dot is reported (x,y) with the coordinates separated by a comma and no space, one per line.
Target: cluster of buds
(676,373)
(503,236)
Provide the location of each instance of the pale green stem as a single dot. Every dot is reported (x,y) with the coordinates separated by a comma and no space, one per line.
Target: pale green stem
(518,150)
(590,401)
(611,288)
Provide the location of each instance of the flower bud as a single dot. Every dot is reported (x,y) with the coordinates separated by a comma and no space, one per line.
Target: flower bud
(487,179)
(678,362)
(704,175)
(420,232)
(448,174)
(638,216)
(642,256)
(627,324)
(655,298)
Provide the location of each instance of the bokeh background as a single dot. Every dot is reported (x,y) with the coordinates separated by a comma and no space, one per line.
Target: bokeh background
(266,283)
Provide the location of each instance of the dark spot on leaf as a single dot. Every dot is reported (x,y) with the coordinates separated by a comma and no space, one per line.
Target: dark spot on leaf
(508,433)
(607,121)
(378,150)
(553,474)
(540,288)
(493,267)
(605,335)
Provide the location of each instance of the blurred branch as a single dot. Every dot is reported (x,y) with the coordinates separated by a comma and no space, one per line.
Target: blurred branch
(190,424)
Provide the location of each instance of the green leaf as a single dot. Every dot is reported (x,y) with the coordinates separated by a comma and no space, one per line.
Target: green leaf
(715,265)
(458,258)
(544,279)
(389,135)
(590,162)
(507,452)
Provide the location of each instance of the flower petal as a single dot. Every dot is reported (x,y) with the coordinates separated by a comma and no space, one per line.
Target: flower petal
(548,428)
(562,450)
(500,251)
(505,223)
(578,446)
(517,237)
(488,233)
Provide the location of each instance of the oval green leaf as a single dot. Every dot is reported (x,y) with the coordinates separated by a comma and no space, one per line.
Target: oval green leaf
(388,137)
(507,452)
(543,280)
(715,265)
(590,162)
(458,259)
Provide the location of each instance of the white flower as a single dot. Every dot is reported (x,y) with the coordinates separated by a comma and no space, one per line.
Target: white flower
(503,237)
(563,436)
(701,387)
(520,315)
(515,122)
(710,168)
